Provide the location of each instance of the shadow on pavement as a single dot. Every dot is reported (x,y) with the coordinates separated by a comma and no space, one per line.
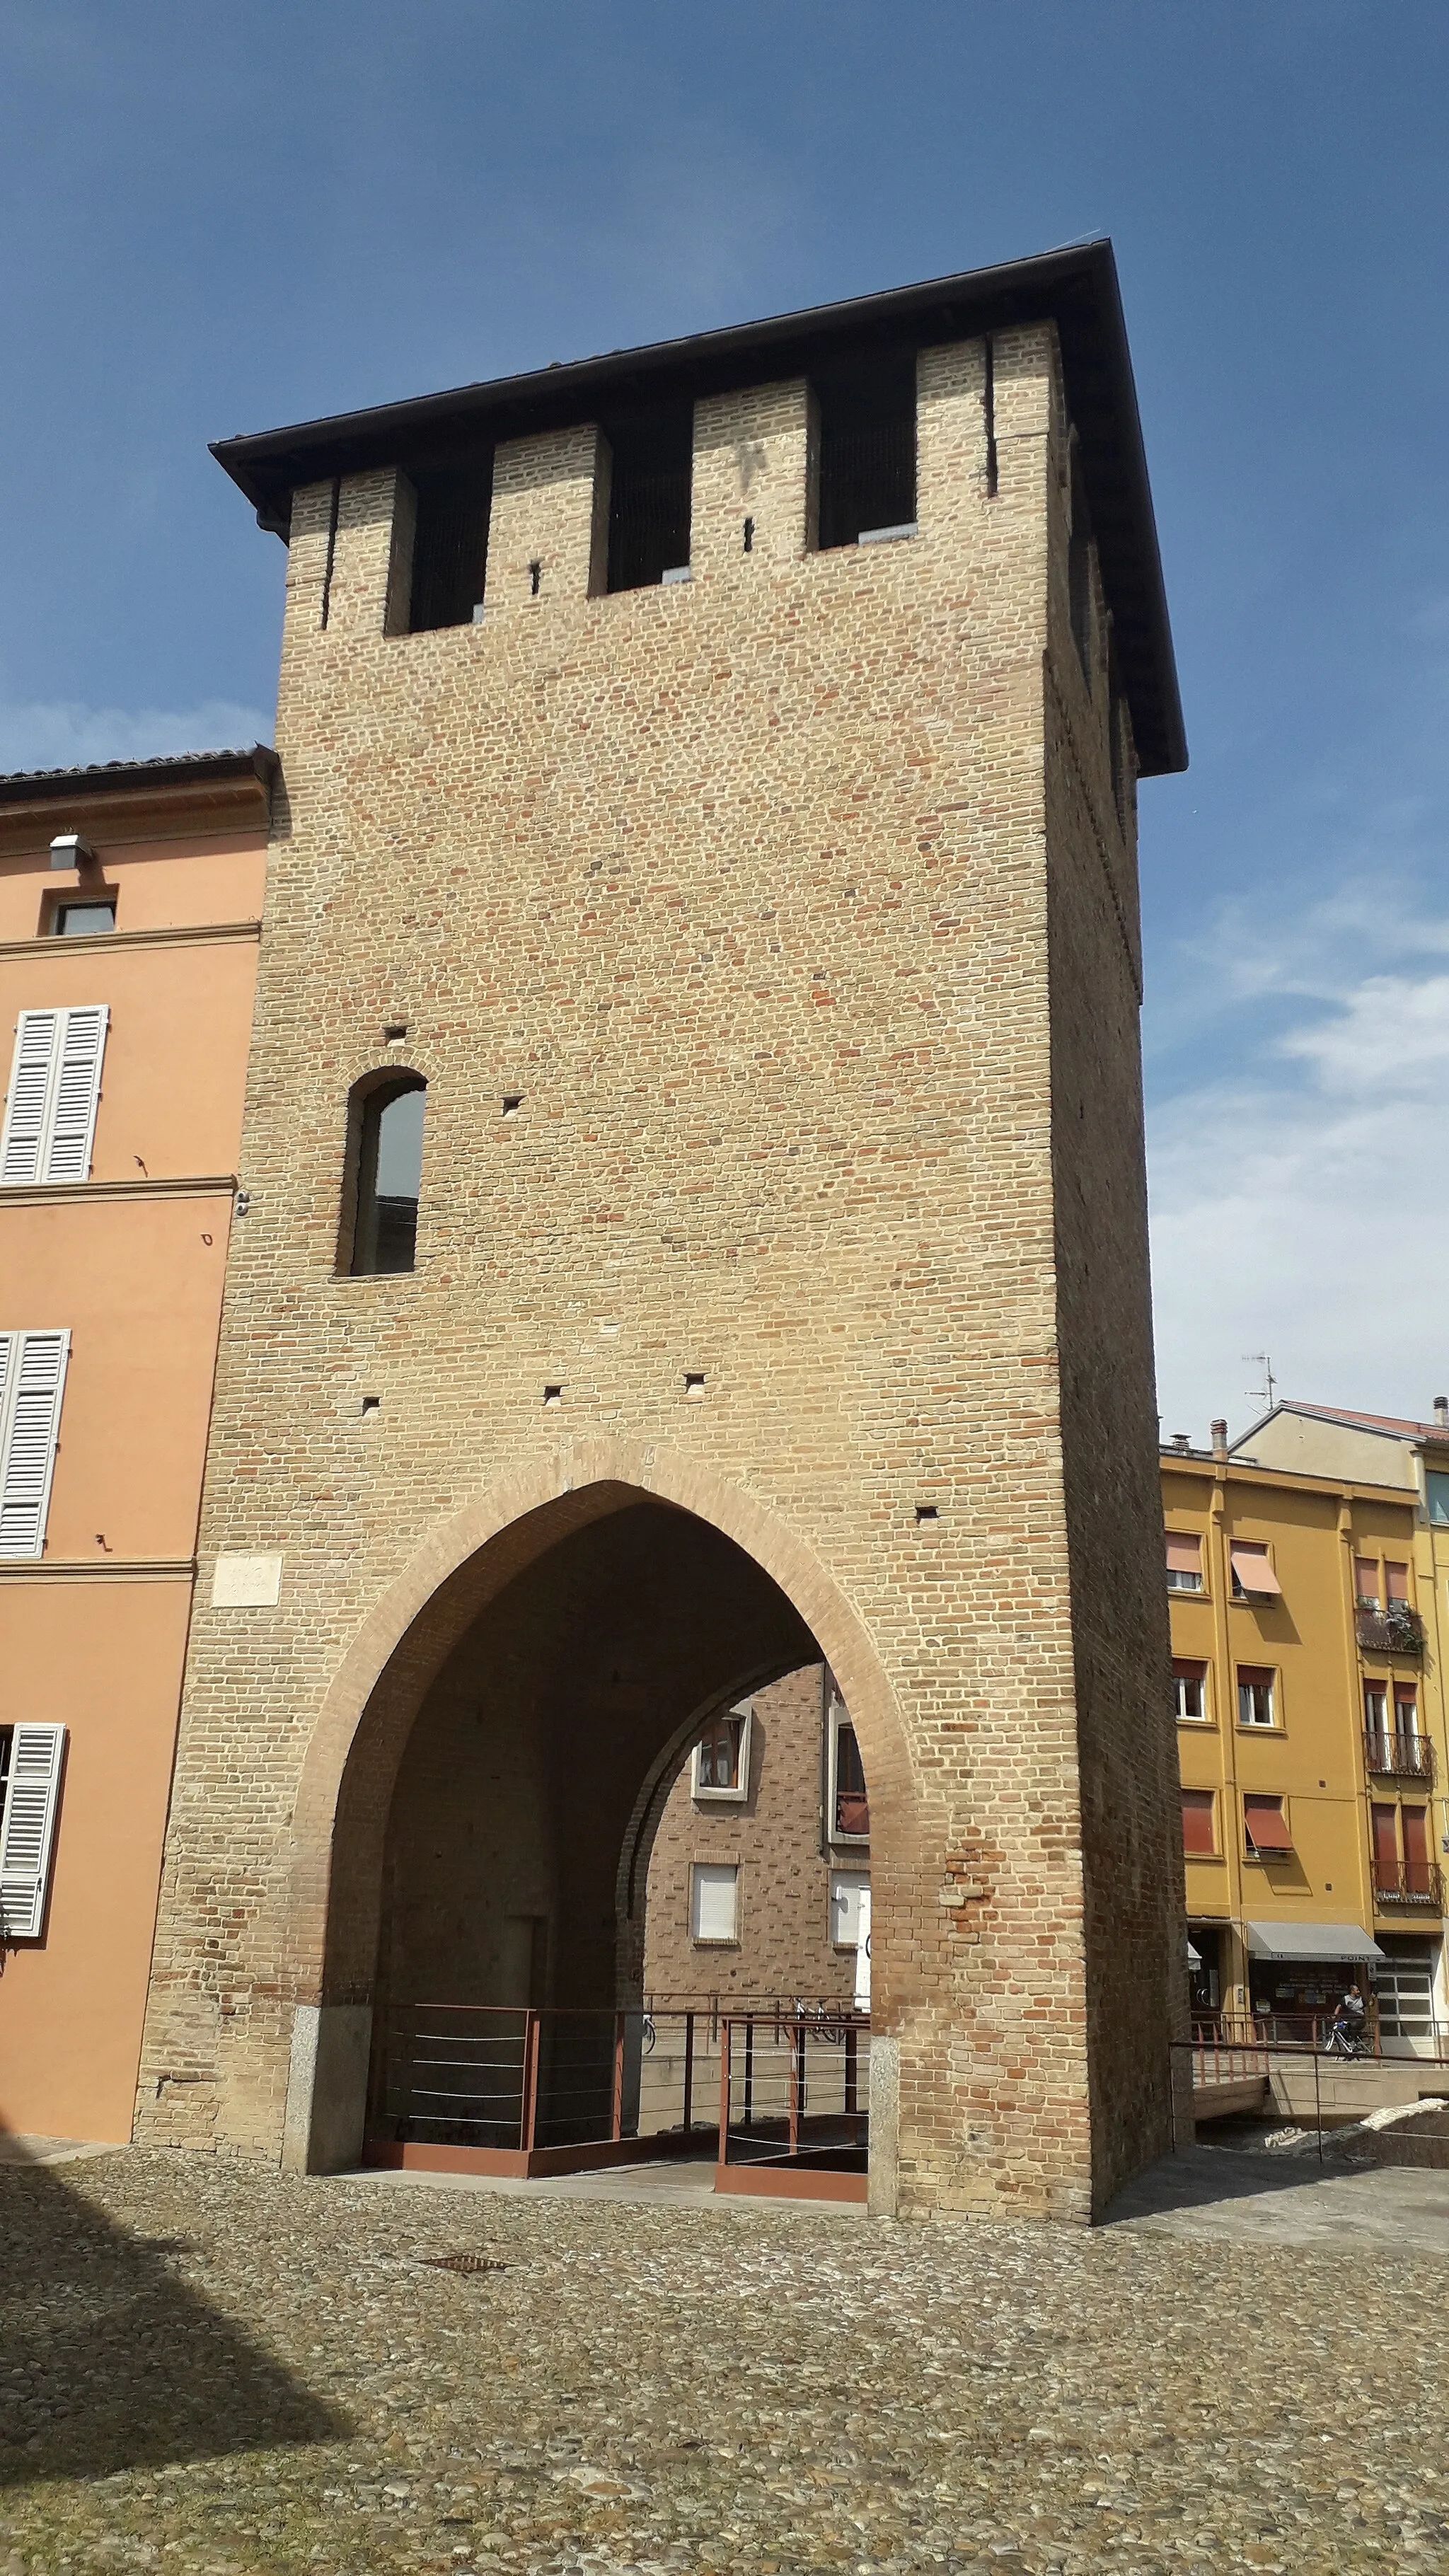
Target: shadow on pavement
(1197,2177)
(111,2359)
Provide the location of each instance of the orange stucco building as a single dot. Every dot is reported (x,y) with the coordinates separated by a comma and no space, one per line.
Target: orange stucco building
(130,912)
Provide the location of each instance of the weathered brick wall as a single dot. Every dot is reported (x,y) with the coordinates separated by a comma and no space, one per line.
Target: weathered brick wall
(1131,1824)
(784,1945)
(749,888)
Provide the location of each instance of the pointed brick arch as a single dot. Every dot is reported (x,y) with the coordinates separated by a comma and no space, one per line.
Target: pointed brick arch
(351,1761)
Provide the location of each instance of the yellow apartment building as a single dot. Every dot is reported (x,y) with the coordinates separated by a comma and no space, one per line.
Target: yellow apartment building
(1306,1608)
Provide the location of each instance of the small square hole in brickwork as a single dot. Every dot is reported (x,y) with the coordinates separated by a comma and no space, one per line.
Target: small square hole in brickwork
(371,1403)
(694,1385)
(925,1513)
(512,1103)
(394,1033)
(553,1395)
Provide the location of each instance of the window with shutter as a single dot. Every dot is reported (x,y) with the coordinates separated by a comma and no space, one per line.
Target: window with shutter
(1199,1823)
(32,1380)
(847,1887)
(1189,1692)
(714,1901)
(1255,1695)
(30,1076)
(1184,1562)
(55,1083)
(1267,1826)
(30,1765)
(721,1767)
(849,1800)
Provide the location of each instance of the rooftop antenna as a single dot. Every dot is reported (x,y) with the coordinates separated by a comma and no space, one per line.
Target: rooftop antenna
(1265,1392)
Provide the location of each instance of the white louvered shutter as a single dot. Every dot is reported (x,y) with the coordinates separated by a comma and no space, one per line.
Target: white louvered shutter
(55,1083)
(26,1110)
(34,1377)
(76,1089)
(27,1828)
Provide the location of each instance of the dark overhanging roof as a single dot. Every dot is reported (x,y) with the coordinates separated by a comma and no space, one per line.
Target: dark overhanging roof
(1077,289)
(173,769)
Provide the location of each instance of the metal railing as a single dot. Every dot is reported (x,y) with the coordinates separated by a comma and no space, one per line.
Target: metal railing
(1227,2031)
(1307,2086)
(1395,1631)
(501,2077)
(1400,1757)
(1226,2056)
(1397,2030)
(515,2082)
(1417,1882)
(794,2089)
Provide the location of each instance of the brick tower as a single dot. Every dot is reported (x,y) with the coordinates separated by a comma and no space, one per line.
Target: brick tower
(696,1220)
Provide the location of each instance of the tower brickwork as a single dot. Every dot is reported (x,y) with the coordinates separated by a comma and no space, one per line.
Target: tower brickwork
(767,942)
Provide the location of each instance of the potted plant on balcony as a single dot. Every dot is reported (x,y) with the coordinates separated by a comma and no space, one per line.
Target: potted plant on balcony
(1403,1629)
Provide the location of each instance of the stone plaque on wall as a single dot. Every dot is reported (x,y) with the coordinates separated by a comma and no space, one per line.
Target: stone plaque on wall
(246,1583)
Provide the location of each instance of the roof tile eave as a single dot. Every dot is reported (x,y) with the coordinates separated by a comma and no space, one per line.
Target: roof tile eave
(1075,287)
(1401,1426)
(17,786)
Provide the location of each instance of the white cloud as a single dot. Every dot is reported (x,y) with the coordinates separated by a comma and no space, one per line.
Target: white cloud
(67,735)
(1302,1208)
(1391,1037)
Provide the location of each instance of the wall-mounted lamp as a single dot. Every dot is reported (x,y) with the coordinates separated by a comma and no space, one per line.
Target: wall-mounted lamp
(72,850)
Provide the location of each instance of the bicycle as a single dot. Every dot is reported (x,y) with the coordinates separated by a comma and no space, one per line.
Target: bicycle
(1342,2041)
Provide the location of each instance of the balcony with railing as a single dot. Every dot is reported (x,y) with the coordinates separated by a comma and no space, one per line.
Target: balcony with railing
(1393,1756)
(1419,1883)
(1395,1631)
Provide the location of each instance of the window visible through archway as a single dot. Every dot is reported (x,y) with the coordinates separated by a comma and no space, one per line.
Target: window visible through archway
(849,1808)
(389,1176)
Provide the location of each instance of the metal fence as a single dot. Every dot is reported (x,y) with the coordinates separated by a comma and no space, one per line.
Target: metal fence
(499,2077)
(1304,2084)
(1396,2033)
(533,2090)
(794,2089)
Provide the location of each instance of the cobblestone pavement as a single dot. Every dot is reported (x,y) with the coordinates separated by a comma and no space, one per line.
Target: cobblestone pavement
(216,2371)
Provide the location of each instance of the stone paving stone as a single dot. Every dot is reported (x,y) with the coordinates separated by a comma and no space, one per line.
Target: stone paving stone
(210,2369)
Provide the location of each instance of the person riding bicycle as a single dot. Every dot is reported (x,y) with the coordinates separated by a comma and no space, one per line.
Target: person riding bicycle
(1351,2018)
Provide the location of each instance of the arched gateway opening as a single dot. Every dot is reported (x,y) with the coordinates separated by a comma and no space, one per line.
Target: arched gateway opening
(495,1813)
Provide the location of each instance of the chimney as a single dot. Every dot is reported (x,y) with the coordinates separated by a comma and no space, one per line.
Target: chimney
(1441,1411)
(1182,1444)
(1220,1438)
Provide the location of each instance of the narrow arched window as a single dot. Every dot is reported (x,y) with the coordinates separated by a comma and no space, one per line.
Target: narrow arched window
(387,1142)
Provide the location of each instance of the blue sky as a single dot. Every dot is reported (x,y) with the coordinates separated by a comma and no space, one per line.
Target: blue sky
(223,219)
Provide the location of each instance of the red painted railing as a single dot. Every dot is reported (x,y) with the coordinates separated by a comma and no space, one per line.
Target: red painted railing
(531,2089)
(794,2090)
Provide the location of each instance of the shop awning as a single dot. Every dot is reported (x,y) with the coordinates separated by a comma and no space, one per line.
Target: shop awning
(1310,1941)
